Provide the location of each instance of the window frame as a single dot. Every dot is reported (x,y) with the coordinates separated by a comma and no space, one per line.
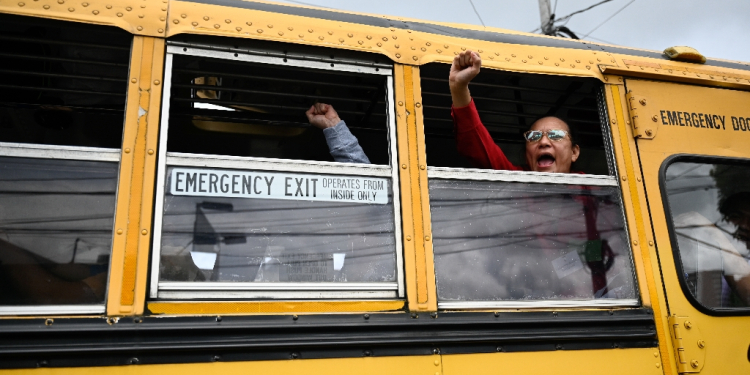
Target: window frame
(612,180)
(159,290)
(40,151)
(674,245)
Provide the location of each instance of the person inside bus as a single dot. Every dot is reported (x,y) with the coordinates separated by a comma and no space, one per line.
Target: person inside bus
(342,144)
(550,146)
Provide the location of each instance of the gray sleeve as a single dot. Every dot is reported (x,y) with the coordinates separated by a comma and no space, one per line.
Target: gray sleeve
(343,145)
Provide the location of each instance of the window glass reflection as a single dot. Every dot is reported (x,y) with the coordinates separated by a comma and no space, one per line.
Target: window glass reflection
(500,241)
(225,239)
(56,220)
(710,208)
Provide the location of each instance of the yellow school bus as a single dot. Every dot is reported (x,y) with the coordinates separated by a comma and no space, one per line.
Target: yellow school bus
(165,206)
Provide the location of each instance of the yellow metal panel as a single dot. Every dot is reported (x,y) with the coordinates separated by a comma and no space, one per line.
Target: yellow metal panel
(419,270)
(637,213)
(428,267)
(129,264)
(578,362)
(421,365)
(725,353)
(135,16)
(682,73)
(224,308)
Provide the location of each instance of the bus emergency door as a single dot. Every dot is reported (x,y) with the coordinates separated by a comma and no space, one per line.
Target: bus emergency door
(694,148)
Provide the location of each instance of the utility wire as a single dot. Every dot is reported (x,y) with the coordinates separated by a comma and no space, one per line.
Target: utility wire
(566,18)
(477,13)
(610,17)
(308,4)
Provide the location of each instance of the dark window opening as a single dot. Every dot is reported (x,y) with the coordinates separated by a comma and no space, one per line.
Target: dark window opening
(508,104)
(240,108)
(62,83)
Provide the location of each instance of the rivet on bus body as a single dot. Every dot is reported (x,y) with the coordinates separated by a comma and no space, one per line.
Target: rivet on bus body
(588,67)
(108,6)
(701,344)
(614,121)
(656,354)
(183,15)
(144,232)
(635,242)
(463,48)
(423,49)
(157,82)
(128,9)
(426,238)
(398,55)
(119,231)
(321,37)
(176,21)
(649,132)
(642,101)
(379,44)
(638,179)
(606,79)
(688,325)
(47,7)
(403,166)
(303,35)
(119,14)
(295,317)
(385,38)
(21,4)
(369,37)
(445,46)
(341,40)
(150,152)
(49,322)
(249,23)
(422,167)
(395,45)
(650,243)
(194,23)
(260,31)
(572,65)
(281,33)
(531,57)
(439,51)
(205,18)
(658,364)
(160,31)
(228,20)
(418,105)
(627,122)
(415,58)
(61,1)
(139,28)
(558,64)
(437,363)
(216,26)
(694,363)
(401,104)
(408,238)
(141,15)
(540,62)
(362,42)
(624,178)
(524,61)
(290,28)
(95,12)
(654,118)
(127,150)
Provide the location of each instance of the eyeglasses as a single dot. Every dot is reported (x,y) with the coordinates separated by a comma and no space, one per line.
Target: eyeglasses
(553,135)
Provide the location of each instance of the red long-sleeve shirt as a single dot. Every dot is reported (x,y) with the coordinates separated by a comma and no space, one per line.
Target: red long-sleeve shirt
(475,142)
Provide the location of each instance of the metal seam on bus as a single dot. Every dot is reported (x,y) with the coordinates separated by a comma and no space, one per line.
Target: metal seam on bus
(416,203)
(122,208)
(272,307)
(638,214)
(489,36)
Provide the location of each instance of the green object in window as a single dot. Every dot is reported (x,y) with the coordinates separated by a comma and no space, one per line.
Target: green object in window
(593,251)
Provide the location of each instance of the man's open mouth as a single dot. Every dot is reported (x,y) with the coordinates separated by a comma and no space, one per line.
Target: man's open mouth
(545,161)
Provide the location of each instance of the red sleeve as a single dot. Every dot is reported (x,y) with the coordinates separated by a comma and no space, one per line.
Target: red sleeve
(474,141)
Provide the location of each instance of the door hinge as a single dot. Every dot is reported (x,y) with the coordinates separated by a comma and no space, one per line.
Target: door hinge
(689,347)
(643,126)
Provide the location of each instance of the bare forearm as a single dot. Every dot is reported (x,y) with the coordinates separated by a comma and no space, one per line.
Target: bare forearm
(460,94)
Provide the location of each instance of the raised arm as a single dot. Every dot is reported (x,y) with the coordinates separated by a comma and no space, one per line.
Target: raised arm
(465,67)
(342,144)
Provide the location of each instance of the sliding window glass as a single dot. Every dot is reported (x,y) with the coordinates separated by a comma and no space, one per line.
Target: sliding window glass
(523,220)
(62,109)
(257,199)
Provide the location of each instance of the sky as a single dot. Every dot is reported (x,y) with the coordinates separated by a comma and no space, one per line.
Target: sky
(717,29)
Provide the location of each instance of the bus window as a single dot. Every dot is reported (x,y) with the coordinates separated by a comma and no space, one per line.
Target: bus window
(710,229)
(518,238)
(251,203)
(61,122)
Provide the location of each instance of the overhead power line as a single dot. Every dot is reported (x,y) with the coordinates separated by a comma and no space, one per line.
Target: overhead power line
(308,4)
(477,13)
(565,18)
(610,17)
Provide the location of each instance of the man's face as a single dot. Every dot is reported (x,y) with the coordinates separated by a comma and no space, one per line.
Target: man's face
(551,156)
